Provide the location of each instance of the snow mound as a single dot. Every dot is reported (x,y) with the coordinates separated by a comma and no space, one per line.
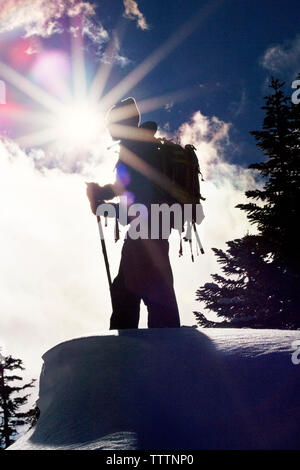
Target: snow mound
(177,388)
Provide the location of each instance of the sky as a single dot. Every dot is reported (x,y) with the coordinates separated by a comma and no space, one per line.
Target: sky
(200,69)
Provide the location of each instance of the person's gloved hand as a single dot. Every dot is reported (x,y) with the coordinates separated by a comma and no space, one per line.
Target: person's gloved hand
(93,192)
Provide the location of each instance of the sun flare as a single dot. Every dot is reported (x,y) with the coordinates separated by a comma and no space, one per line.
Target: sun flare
(71,118)
(79,124)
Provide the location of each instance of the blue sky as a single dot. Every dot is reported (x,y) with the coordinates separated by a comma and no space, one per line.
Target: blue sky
(223,54)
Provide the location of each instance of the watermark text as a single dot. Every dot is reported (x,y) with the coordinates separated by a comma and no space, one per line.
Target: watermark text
(154,222)
(296,353)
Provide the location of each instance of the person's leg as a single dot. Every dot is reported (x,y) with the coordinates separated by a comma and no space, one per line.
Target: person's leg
(159,296)
(164,314)
(145,273)
(126,305)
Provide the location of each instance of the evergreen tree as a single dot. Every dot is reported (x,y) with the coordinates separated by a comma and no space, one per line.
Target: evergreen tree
(277,217)
(247,294)
(11,400)
(262,272)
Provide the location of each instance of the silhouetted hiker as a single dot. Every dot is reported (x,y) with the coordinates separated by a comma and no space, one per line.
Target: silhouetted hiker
(145,272)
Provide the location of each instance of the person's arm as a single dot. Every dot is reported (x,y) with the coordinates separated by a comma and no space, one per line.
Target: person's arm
(109,191)
(97,194)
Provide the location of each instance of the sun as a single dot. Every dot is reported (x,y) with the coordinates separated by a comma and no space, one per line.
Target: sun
(78,124)
(72,115)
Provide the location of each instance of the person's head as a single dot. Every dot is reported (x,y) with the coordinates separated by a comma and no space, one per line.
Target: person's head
(122,117)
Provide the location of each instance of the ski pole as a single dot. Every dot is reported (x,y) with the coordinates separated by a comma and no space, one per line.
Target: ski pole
(104,251)
(198,239)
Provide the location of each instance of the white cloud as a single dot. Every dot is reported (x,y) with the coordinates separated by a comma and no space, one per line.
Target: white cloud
(283,58)
(225,183)
(46,17)
(52,283)
(122,60)
(112,55)
(40,17)
(169,106)
(238,107)
(132,12)
(95,31)
(31,50)
(52,278)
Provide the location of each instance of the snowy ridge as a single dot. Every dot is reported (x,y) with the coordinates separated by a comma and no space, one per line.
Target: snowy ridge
(184,388)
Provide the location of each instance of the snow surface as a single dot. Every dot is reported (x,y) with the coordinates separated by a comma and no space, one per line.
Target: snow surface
(177,388)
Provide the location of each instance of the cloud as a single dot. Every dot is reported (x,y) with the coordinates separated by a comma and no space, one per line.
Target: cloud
(46,17)
(40,17)
(43,18)
(283,58)
(31,50)
(112,53)
(225,181)
(169,106)
(52,283)
(238,107)
(95,31)
(133,13)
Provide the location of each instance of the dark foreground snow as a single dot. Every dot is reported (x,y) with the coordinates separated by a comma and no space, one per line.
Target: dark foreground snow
(182,388)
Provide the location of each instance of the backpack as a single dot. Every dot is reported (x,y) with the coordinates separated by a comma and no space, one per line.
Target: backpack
(177,173)
(181,167)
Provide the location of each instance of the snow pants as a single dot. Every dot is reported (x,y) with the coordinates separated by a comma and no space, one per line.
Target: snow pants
(145,274)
